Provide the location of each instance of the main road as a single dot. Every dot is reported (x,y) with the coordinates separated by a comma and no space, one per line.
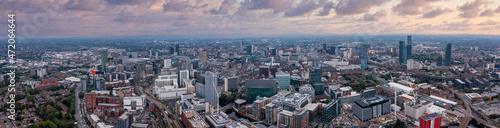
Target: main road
(78,114)
(164,109)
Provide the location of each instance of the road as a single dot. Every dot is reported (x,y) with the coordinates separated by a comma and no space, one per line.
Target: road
(164,109)
(469,114)
(9,123)
(78,114)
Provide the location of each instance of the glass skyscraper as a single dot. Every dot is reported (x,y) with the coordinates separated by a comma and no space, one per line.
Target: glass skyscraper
(402,54)
(283,81)
(364,56)
(447,56)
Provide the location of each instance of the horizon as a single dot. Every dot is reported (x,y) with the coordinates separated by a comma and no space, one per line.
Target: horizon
(101,18)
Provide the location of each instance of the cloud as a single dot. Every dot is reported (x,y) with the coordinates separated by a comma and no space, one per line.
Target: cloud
(375,17)
(275,5)
(472,9)
(497,10)
(304,7)
(176,6)
(224,8)
(488,13)
(83,5)
(458,26)
(126,2)
(326,9)
(488,22)
(436,12)
(411,7)
(352,7)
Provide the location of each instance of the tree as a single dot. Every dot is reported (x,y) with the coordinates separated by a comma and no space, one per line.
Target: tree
(399,124)
(81,94)
(51,124)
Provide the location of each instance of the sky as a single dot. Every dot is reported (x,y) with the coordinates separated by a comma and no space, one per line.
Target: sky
(82,18)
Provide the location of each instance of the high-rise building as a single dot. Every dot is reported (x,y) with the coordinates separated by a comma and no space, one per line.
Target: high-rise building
(183,74)
(364,56)
(249,49)
(330,111)
(315,76)
(439,61)
(167,63)
(283,80)
(84,84)
(104,60)
(274,52)
(230,83)
(447,56)
(264,71)
(172,50)
(203,56)
(125,120)
(296,119)
(178,49)
(259,87)
(211,88)
(324,46)
(432,120)
(408,48)
(331,51)
(402,54)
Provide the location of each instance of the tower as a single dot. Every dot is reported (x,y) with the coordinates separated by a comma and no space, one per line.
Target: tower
(364,57)
(104,60)
(447,56)
(408,48)
(402,59)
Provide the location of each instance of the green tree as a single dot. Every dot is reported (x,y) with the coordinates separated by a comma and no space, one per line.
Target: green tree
(81,95)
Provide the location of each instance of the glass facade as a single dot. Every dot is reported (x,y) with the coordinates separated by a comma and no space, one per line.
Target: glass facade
(283,81)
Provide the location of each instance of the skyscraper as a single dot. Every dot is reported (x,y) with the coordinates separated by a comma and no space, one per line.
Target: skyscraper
(104,60)
(402,54)
(183,74)
(259,88)
(172,50)
(203,56)
(211,88)
(439,61)
(408,48)
(178,49)
(249,49)
(331,51)
(364,56)
(315,76)
(447,56)
(324,46)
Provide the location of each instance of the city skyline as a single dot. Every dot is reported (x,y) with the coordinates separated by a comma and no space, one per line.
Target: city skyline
(70,18)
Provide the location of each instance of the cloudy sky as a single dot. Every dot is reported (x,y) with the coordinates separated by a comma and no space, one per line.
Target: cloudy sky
(69,18)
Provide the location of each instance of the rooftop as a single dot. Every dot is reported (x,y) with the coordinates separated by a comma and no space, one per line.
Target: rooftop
(430,116)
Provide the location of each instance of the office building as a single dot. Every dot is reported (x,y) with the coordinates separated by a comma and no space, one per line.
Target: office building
(167,63)
(249,49)
(178,49)
(259,87)
(294,119)
(331,51)
(230,84)
(319,89)
(402,55)
(191,119)
(432,120)
(211,95)
(104,60)
(447,55)
(172,50)
(134,103)
(330,111)
(167,87)
(363,55)
(274,52)
(139,125)
(84,84)
(294,101)
(307,89)
(283,80)
(369,108)
(408,47)
(125,120)
(217,120)
(203,56)
(324,46)
(439,61)
(264,71)
(183,75)
(315,76)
